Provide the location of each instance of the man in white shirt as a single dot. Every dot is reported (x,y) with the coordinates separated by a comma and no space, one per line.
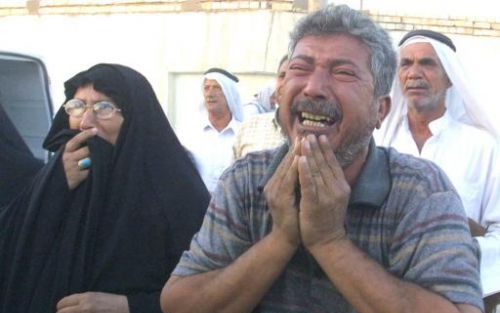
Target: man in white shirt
(435,116)
(211,142)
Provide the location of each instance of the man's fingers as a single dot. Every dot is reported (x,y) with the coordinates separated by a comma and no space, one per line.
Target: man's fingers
(309,175)
(330,157)
(76,142)
(283,168)
(315,158)
(313,169)
(289,180)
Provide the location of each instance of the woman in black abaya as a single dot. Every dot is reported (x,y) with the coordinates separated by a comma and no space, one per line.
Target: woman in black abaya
(106,232)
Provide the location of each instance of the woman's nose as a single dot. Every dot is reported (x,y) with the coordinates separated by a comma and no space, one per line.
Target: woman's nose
(88,119)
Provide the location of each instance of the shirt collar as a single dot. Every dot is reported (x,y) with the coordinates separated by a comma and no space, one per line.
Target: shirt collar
(232,126)
(374,183)
(439,125)
(436,126)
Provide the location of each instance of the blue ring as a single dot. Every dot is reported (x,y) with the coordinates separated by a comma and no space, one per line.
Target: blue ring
(84,164)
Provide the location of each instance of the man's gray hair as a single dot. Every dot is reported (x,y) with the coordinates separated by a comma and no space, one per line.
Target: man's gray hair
(341,19)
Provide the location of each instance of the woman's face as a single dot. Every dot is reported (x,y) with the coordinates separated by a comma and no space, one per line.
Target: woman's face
(108,129)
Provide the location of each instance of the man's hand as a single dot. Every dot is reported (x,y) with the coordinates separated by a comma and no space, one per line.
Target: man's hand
(281,198)
(93,302)
(324,193)
(74,152)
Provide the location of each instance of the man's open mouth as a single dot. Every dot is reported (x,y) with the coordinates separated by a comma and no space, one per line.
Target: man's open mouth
(315,120)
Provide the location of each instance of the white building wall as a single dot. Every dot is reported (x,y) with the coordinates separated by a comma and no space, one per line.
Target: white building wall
(173,49)
(161,46)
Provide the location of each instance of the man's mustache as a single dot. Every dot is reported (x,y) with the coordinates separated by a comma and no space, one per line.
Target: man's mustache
(416,84)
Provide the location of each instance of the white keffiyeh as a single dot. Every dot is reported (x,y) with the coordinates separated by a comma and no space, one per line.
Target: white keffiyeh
(231,93)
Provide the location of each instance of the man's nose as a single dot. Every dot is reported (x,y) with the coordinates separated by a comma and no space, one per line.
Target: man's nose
(318,85)
(88,119)
(414,71)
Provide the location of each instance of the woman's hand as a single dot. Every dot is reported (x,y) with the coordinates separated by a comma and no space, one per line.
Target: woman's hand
(93,302)
(73,153)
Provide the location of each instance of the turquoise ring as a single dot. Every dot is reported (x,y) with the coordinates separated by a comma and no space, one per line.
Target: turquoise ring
(84,164)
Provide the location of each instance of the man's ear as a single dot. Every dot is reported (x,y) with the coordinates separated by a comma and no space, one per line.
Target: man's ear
(384,106)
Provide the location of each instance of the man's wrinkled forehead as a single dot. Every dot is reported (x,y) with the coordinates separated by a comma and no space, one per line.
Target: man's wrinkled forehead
(210,82)
(341,40)
(419,50)
(333,49)
(421,53)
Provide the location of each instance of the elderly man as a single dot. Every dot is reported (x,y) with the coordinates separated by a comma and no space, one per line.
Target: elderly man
(435,116)
(211,142)
(342,226)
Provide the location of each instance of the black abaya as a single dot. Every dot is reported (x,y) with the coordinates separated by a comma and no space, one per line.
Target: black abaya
(123,229)
(17,164)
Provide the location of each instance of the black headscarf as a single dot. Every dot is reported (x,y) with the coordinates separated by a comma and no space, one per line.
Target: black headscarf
(17,164)
(123,229)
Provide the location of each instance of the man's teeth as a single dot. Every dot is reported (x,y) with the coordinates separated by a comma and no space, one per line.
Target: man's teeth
(311,123)
(309,119)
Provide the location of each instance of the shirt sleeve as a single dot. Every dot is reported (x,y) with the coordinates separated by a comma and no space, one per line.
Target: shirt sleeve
(432,247)
(489,244)
(224,234)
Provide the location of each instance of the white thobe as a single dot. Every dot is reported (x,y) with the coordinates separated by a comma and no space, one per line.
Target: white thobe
(470,158)
(211,150)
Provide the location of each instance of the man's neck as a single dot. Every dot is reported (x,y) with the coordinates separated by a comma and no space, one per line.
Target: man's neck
(418,122)
(352,171)
(219,122)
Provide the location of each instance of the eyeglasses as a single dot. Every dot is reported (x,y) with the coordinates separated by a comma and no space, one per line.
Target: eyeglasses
(103,110)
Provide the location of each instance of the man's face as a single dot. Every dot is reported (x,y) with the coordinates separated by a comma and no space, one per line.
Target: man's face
(422,77)
(215,101)
(329,90)
(280,79)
